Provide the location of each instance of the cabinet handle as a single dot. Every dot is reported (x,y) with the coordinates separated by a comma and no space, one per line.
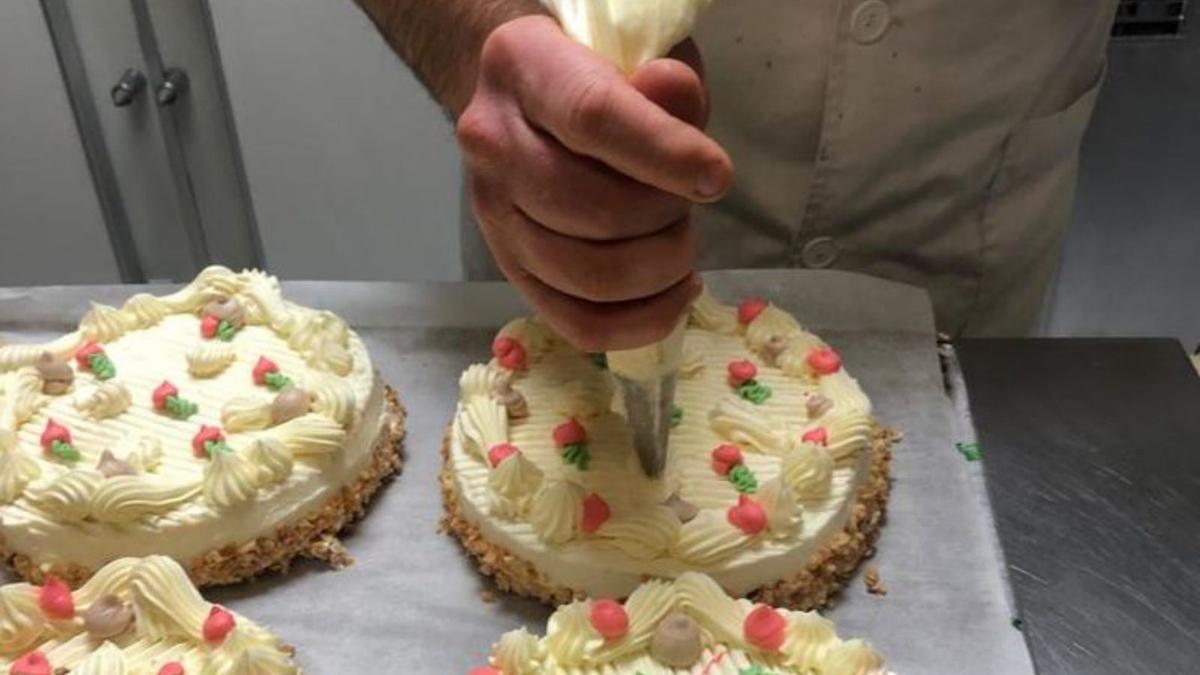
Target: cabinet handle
(175,83)
(127,88)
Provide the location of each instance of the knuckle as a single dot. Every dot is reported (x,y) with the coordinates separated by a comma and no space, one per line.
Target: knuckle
(500,49)
(478,134)
(589,112)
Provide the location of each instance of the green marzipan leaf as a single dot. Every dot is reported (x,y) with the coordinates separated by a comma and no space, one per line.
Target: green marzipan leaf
(64,451)
(754,392)
(970,451)
(277,381)
(216,446)
(578,455)
(226,331)
(102,366)
(743,479)
(181,408)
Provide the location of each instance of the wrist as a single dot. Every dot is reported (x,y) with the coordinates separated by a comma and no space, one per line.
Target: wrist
(441,40)
(459,86)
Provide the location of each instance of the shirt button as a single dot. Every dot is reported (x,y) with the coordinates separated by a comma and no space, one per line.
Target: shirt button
(870,21)
(819,253)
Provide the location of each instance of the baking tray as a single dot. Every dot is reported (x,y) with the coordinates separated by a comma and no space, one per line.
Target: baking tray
(414,604)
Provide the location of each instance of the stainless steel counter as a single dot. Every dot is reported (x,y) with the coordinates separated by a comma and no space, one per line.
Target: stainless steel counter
(1092,455)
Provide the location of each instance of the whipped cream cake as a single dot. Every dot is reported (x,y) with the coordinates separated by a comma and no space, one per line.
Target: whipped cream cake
(685,626)
(136,616)
(220,425)
(776,478)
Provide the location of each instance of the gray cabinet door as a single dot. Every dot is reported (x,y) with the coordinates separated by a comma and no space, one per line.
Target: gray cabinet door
(52,230)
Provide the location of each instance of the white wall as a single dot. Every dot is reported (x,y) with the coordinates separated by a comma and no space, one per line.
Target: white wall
(51,228)
(352,169)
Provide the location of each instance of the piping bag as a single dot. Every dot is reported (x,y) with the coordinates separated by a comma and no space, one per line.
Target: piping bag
(630,33)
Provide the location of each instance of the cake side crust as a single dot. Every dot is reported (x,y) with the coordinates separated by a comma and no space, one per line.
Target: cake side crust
(814,587)
(315,536)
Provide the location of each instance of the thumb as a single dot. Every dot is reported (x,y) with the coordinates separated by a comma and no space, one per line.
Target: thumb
(675,84)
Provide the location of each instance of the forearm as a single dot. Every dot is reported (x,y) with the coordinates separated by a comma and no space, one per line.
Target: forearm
(441,39)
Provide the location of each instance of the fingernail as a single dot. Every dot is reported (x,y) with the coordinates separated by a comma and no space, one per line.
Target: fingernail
(711,183)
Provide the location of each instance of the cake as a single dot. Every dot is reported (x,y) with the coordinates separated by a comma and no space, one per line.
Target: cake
(136,615)
(685,626)
(776,478)
(220,425)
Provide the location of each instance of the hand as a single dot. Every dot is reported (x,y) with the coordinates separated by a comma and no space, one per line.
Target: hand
(583,181)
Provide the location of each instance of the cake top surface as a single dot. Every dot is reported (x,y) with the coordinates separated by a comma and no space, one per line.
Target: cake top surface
(136,616)
(770,442)
(175,408)
(688,625)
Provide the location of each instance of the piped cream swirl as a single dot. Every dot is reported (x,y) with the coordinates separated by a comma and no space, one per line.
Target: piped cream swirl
(209,359)
(513,484)
(556,511)
(109,399)
(572,645)
(16,471)
(246,413)
(711,315)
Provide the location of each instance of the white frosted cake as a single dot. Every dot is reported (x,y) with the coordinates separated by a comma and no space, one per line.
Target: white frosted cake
(775,484)
(136,616)
(685,627)
(220,425)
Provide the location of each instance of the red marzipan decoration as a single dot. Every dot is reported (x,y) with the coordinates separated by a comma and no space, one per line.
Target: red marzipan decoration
(765,628)
(219,624)
(609,618)
(163,392)
(509,352)
(750,308)
(263,368)
(54,432)
(824,361)
(209,325)
(725,457)
(748,516)
(33,663)
(817,436)
(501,452)
(595,513)
(570,432)
(172,668)
(741,372)
(484,670)
(205,435)
(83,355)
(55,598)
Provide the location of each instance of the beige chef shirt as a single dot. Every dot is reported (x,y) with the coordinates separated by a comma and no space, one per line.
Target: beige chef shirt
(934,142)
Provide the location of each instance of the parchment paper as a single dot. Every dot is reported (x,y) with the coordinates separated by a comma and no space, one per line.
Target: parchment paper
(412,604)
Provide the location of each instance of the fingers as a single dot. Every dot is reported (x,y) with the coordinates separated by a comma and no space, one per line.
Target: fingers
(598,327)
(590,325)
(590,107)
(596,271)
(675,87)
(576,196)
